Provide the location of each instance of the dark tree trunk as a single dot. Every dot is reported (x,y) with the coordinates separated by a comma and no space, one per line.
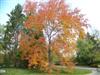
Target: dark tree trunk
(49,56)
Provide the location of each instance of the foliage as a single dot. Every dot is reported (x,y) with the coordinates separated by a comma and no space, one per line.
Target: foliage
(11,33)
(50,27)
(1,36)
(1,31)
(89,49)
(85,53)
(1,43)
(16,19)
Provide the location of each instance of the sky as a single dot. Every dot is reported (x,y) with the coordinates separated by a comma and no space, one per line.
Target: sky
(91,9)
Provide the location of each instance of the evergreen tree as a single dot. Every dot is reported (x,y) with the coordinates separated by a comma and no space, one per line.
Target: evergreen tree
(13,26)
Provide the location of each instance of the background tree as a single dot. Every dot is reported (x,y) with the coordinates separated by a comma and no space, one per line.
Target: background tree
(89,49)
(60,27)
(2,27)
(12,30)
(84,54)
(1,31)
(1,44)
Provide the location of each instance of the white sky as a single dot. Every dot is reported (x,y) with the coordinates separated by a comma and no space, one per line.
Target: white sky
(91,8)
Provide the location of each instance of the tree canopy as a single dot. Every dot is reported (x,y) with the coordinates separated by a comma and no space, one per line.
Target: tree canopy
(10,40)
(50,27)
(89,49)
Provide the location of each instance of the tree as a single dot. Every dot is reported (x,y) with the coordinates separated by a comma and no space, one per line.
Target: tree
(59,26)
(1,44)
(95,38)
(89,49)
(1,31)
(1,36)
(12,30)
(85,54)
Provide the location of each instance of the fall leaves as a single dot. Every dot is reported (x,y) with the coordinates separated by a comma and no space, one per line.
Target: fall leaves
(33,49)
(50,26)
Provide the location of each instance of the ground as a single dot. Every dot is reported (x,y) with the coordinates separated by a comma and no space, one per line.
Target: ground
(17,71)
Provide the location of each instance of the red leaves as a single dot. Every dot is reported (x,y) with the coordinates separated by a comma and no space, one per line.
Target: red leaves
(42,40)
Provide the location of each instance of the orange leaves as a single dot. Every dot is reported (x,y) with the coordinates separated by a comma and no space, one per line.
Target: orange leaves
(27,23)
(61,27)
(34,21)
(33,49)
(30,7)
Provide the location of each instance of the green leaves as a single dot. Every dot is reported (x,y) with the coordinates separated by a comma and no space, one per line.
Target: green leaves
(14,24)
(88,50)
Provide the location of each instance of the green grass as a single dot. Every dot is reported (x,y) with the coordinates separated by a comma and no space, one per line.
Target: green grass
(17,71)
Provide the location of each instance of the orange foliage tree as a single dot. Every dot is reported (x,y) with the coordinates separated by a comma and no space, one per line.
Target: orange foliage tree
(50,27)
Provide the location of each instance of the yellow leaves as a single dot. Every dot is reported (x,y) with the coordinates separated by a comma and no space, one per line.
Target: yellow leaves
(33,50)
(35,22)
(55,16)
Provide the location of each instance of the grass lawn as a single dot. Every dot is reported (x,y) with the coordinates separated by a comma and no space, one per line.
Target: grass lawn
(17,71)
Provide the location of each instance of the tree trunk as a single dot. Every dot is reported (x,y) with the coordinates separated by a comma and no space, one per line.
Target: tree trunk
(49,57)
